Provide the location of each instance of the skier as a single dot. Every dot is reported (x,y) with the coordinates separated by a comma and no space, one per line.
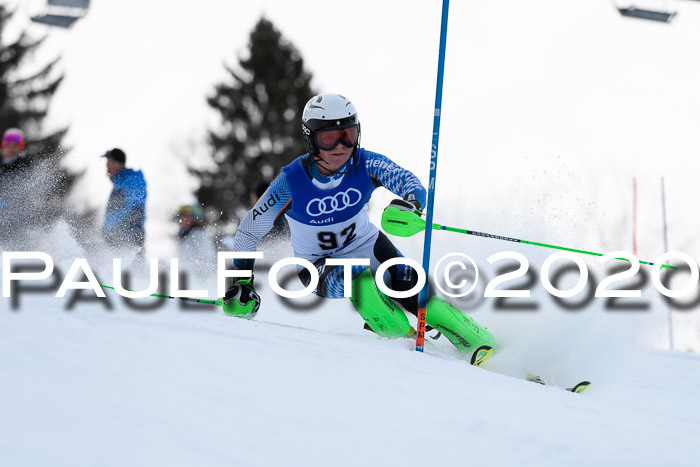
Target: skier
(324,196)
(17,196)
(12,149)
(15,167)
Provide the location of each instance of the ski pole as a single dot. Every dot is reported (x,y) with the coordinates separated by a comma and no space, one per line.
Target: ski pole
(423,296)
(217,302)
(405,223)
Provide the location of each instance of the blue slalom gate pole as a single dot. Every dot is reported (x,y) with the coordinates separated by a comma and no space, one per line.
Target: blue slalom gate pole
(423,297)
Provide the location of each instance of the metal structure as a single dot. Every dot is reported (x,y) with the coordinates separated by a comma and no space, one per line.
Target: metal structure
(62,13)
(663,218)
(654,10)
(641,13)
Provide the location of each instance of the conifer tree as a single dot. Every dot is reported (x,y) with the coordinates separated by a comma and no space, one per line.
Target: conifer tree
(25,99)
(260,107)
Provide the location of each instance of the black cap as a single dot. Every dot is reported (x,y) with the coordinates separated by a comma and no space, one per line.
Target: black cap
(260,189)
(116,155)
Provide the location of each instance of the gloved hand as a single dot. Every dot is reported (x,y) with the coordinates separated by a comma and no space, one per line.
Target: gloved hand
(403,218)
(241,299)
(406,205)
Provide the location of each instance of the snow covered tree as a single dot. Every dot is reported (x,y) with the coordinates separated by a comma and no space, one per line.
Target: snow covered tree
(25,98)
(260,108)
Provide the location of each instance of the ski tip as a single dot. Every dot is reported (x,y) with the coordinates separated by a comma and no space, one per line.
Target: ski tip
(580,387)
(533,378)
(481,354)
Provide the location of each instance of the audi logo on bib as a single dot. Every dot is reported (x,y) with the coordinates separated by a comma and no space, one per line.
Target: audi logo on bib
(330,204)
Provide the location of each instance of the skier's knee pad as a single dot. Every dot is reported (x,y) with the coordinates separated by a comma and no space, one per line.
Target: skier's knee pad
(465,333)
(381,314)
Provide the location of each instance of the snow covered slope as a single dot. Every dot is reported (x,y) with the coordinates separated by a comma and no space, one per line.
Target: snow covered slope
(174,387)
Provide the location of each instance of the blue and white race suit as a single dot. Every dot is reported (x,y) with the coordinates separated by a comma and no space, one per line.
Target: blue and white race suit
(328,217)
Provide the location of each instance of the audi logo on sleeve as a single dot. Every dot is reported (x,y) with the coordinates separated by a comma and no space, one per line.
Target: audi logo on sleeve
(330,204)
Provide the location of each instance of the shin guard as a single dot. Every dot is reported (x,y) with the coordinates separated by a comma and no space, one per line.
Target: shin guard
(381,314)
(465,333)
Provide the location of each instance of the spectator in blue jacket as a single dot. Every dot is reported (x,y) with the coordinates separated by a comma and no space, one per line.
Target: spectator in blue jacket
(125,217)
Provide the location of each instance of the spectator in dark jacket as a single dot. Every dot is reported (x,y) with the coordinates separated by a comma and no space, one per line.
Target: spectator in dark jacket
(195,247)
(16,173)
(125,217)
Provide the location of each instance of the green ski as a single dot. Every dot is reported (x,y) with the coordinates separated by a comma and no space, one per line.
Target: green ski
(578,388)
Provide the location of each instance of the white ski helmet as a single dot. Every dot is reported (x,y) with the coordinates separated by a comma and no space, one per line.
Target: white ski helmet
(327,111)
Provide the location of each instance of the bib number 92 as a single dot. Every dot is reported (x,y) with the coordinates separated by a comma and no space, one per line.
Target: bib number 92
(329,240)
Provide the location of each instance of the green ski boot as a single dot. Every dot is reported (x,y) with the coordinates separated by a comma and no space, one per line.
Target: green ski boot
(464,333)
(381,314)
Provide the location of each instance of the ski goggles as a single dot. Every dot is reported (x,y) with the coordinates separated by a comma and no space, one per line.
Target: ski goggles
(328,139)
(16,139)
